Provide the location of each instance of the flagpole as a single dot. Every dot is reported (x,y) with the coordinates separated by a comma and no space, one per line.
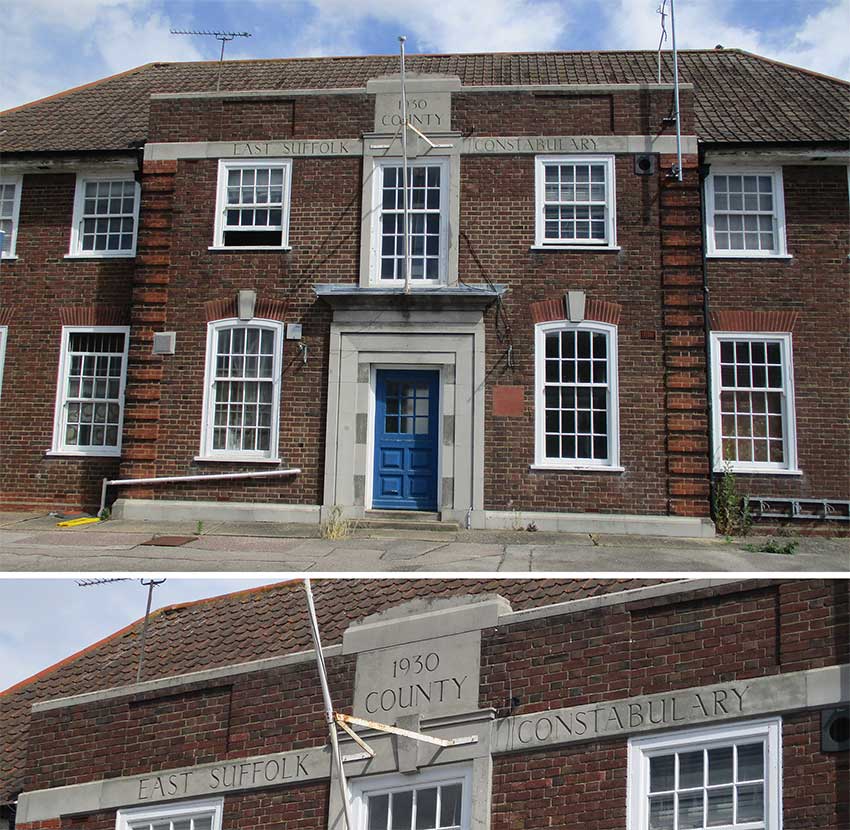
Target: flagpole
(406,218)
(329,710)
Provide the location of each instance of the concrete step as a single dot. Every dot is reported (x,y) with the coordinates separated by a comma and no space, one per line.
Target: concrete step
(405,520)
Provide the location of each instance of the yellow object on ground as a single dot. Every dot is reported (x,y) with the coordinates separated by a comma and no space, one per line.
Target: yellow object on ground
(78,522)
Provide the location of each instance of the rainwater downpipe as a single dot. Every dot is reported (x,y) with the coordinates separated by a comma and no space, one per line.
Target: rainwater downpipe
(121,482)
(706,315)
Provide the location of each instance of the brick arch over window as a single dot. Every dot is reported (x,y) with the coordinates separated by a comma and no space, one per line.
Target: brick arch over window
(599,311)
(94,315)
(729,320)
(5,316)
(227,307)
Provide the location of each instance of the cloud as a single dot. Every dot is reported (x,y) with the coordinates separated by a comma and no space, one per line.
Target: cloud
(471,26)
(817,41)
(49,45)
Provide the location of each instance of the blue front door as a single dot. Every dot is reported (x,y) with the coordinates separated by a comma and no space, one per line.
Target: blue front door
(406,436)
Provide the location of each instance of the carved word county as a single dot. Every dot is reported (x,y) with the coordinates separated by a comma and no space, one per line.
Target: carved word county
(236,775)
(581,723)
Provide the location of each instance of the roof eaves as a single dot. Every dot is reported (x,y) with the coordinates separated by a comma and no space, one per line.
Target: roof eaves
(786,65)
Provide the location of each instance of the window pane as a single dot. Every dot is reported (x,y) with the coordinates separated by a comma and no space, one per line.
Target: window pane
(720,765)
(379,806)
(402,811)
(450,805)
(751,762)
(720,806)
(690,810)
(690,769)
(750,803)
(661,813)
(426,809)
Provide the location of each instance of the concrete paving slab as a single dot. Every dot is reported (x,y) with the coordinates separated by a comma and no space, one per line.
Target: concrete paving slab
(242,544)
(516,559)
(73,537)
(272,529)
(12,517)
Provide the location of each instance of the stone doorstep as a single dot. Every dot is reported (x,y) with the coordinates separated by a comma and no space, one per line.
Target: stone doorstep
(405,520)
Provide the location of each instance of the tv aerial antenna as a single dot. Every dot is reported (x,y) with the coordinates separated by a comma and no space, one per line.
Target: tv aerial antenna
(150,584)
(224,37)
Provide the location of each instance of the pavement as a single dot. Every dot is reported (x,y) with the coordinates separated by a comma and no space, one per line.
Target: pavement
(31,542)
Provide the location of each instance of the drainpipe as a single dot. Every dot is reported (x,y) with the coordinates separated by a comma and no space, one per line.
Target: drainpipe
(706,314)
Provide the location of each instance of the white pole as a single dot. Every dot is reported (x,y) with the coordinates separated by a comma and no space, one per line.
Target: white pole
(676,94)
(329,710)
(406,219)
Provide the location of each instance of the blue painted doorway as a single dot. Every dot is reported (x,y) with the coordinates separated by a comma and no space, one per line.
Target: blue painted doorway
(406,439)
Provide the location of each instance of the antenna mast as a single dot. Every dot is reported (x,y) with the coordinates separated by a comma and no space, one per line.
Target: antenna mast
(678,171)
(150,584)
(224,37)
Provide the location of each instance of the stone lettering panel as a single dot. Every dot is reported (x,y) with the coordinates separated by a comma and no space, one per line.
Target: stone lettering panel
(429,677)
(640,714)
(429,111)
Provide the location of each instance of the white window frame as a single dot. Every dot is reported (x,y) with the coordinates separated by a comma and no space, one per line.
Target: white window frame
(75,250)
(127,819)
(540,459)
(444,163)
(640,750)
(4,336)
(224,167)
(789,418)
(17,181)
(59,447)
(362,788)
(780,248)
(540,240)
(207,453)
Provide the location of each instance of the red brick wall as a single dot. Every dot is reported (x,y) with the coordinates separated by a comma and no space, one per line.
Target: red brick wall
(707,636)
(35,290)
(816,285)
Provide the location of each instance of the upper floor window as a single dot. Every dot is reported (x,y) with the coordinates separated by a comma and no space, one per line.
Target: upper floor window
(188,815)
(745,211)
(106,213)
(428,212)
(435,799)
(242,393)
(575,204)
(577,421)
(252,209)
(90,394)
(753,406)
(10,205)
(724,777)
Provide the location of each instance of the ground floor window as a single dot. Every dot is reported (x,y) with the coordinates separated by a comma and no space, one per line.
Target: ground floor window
(434,799)
(242,393)
(90,393)
(576,395)
(192,815)
(720,777)
(753,390)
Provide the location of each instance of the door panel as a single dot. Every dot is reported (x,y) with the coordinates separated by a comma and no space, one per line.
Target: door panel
(406,438)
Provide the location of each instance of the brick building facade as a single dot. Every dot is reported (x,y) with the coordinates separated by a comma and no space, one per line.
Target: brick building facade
(575,339)
(571,704)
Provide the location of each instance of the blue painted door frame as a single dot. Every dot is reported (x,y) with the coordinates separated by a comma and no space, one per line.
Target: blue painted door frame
(406,439)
